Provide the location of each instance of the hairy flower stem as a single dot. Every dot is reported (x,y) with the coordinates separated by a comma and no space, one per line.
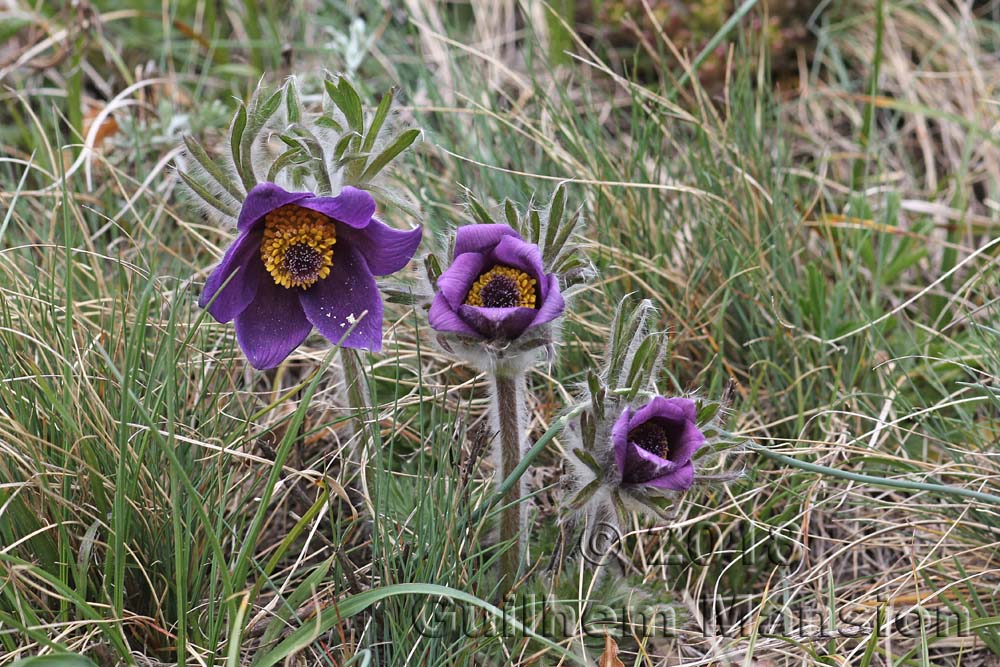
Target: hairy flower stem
(508,410)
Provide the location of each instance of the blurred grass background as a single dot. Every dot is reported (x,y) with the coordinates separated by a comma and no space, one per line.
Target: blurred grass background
(808,194)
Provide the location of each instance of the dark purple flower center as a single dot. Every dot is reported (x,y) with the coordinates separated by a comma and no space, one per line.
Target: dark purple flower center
(656,436)
(503,287)
(302,263)
(500,292)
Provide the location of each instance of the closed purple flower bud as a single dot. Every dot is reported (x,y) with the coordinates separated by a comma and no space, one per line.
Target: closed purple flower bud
(653,445)
(302,261)
(496,287)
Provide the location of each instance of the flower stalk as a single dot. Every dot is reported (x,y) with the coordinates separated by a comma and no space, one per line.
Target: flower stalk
(508,416)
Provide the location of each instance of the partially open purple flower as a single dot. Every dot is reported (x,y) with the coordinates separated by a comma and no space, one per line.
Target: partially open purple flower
(654,444)
(496,286)
(302,261)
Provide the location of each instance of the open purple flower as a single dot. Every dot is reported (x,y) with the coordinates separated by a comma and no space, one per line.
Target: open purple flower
(302,261)
(496,286)
(654,444)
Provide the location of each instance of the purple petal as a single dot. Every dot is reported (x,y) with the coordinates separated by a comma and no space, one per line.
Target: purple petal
(553,305)
(681,412)
(263,199)
(386,250)
(271,326)
(670,409)
(480,238)
(679,479)
(243,258)
(642,466)
(443,318)
(690,441)
(455,281)
(352,207)
(524,256)
(504,323)
(340,300)
(619,438)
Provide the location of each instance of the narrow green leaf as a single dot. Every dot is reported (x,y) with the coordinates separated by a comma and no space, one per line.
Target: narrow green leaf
(207,196)
(629,323)
(709,47)
(317,163)
(565,230)
(266,110)
(343,144)
(295,599)
(588,429)
(479,212)
(289,157)
(381,113)
(872,643)
(292,108)
(355,604)
(598,392)
(62,660)
(329,123)
(616,500)
(258,118)
(236,142)
(402,142)
(554,219)
(433,268)
(510,212)
(236,634)
(535,226)
(289,539)
(347,100)
(642,363)
(707,411)
(200,156)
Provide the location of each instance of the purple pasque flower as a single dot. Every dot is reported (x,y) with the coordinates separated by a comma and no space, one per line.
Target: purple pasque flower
(653,445)
(302,261)
(496,286)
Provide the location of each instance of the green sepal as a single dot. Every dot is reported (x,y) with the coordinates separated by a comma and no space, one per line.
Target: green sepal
(588,429)
(585,494)
(587,459)
(598,391)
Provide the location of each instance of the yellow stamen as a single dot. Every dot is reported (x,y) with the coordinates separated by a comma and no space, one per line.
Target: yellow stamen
(502,287)
(298,246)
